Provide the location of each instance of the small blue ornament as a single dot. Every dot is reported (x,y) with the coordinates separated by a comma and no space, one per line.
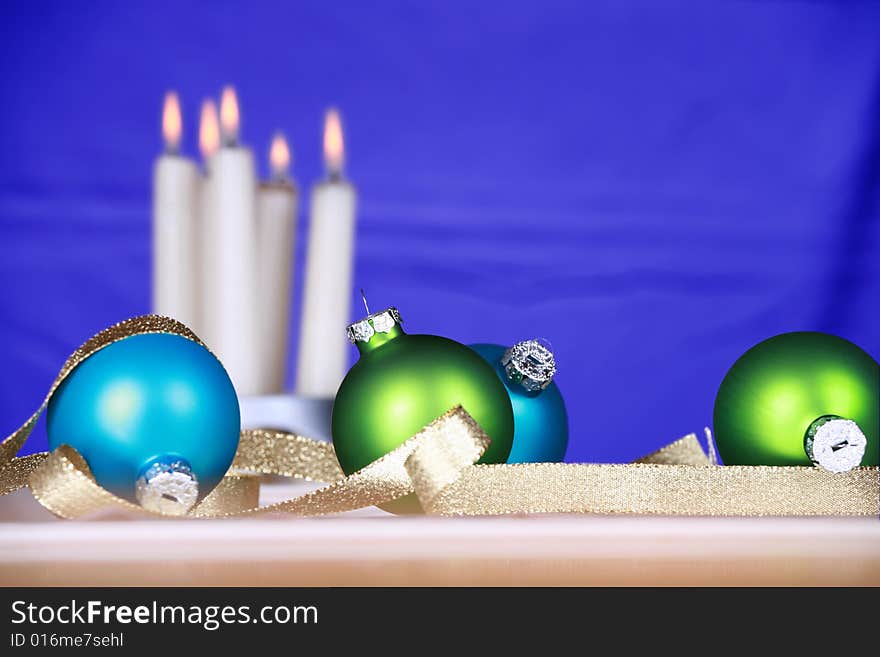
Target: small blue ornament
(540,433)
(154,415)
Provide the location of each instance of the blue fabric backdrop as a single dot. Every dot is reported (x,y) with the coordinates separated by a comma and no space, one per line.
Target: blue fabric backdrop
(653,187)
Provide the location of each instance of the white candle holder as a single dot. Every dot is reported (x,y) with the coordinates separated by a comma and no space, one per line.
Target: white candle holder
(306,416)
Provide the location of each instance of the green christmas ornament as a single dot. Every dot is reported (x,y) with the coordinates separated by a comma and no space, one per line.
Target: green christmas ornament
(401,383)
(800,399)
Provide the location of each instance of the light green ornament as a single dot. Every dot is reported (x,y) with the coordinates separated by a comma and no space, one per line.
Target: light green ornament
(799,399)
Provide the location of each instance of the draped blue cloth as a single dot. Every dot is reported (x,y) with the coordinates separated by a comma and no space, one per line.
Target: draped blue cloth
(653,187)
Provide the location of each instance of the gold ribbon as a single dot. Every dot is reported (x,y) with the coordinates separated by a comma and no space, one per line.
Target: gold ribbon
(438,464)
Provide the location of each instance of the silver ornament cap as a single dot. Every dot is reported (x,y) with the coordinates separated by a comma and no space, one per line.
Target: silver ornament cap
(380,322)
(835,443)
(167,485)
(531,364)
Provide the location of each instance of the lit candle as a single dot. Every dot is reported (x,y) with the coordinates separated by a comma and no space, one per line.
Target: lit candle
(230,227)
(175,230)
(323,349)
(276,228)
(209,144)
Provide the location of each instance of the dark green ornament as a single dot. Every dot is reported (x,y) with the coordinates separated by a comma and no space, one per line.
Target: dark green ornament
(401,383)
(798,394)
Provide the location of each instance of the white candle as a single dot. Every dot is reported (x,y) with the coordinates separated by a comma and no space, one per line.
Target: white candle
(175,229)
(323,348)
(209,144)
(230,234)
(276,229)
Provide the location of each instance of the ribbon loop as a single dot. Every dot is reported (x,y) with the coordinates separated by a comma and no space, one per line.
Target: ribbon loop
(447,450)
(287,455)
(684,451)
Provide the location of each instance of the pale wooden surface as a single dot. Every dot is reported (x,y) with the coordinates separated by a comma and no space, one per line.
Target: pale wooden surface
(370,547)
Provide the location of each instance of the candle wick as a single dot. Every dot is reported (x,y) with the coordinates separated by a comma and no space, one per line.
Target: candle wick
(364,297)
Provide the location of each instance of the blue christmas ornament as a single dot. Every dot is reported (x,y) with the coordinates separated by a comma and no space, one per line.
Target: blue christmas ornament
(540,431)
(154,415)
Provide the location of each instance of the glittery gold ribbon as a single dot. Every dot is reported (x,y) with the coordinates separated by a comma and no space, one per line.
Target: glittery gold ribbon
(438,464)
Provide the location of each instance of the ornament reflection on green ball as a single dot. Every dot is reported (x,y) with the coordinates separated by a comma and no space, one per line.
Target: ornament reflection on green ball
(155,416)
(400,384)
(794,388)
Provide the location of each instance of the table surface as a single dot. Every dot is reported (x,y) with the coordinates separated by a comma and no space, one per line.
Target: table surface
(370,547)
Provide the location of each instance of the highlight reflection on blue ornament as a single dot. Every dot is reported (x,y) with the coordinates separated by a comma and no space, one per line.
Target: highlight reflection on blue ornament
(540,433)
(155,416)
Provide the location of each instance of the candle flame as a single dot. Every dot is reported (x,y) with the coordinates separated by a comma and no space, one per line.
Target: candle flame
(279,156)
(229,117)
(171,122)
(334,149)
(209,130)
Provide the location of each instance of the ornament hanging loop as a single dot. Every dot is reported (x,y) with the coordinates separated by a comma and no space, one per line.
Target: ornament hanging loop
(835,443)
(167,485)
(530,364)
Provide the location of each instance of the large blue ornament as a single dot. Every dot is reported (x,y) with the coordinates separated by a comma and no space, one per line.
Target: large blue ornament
(154,415)
(540,432)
